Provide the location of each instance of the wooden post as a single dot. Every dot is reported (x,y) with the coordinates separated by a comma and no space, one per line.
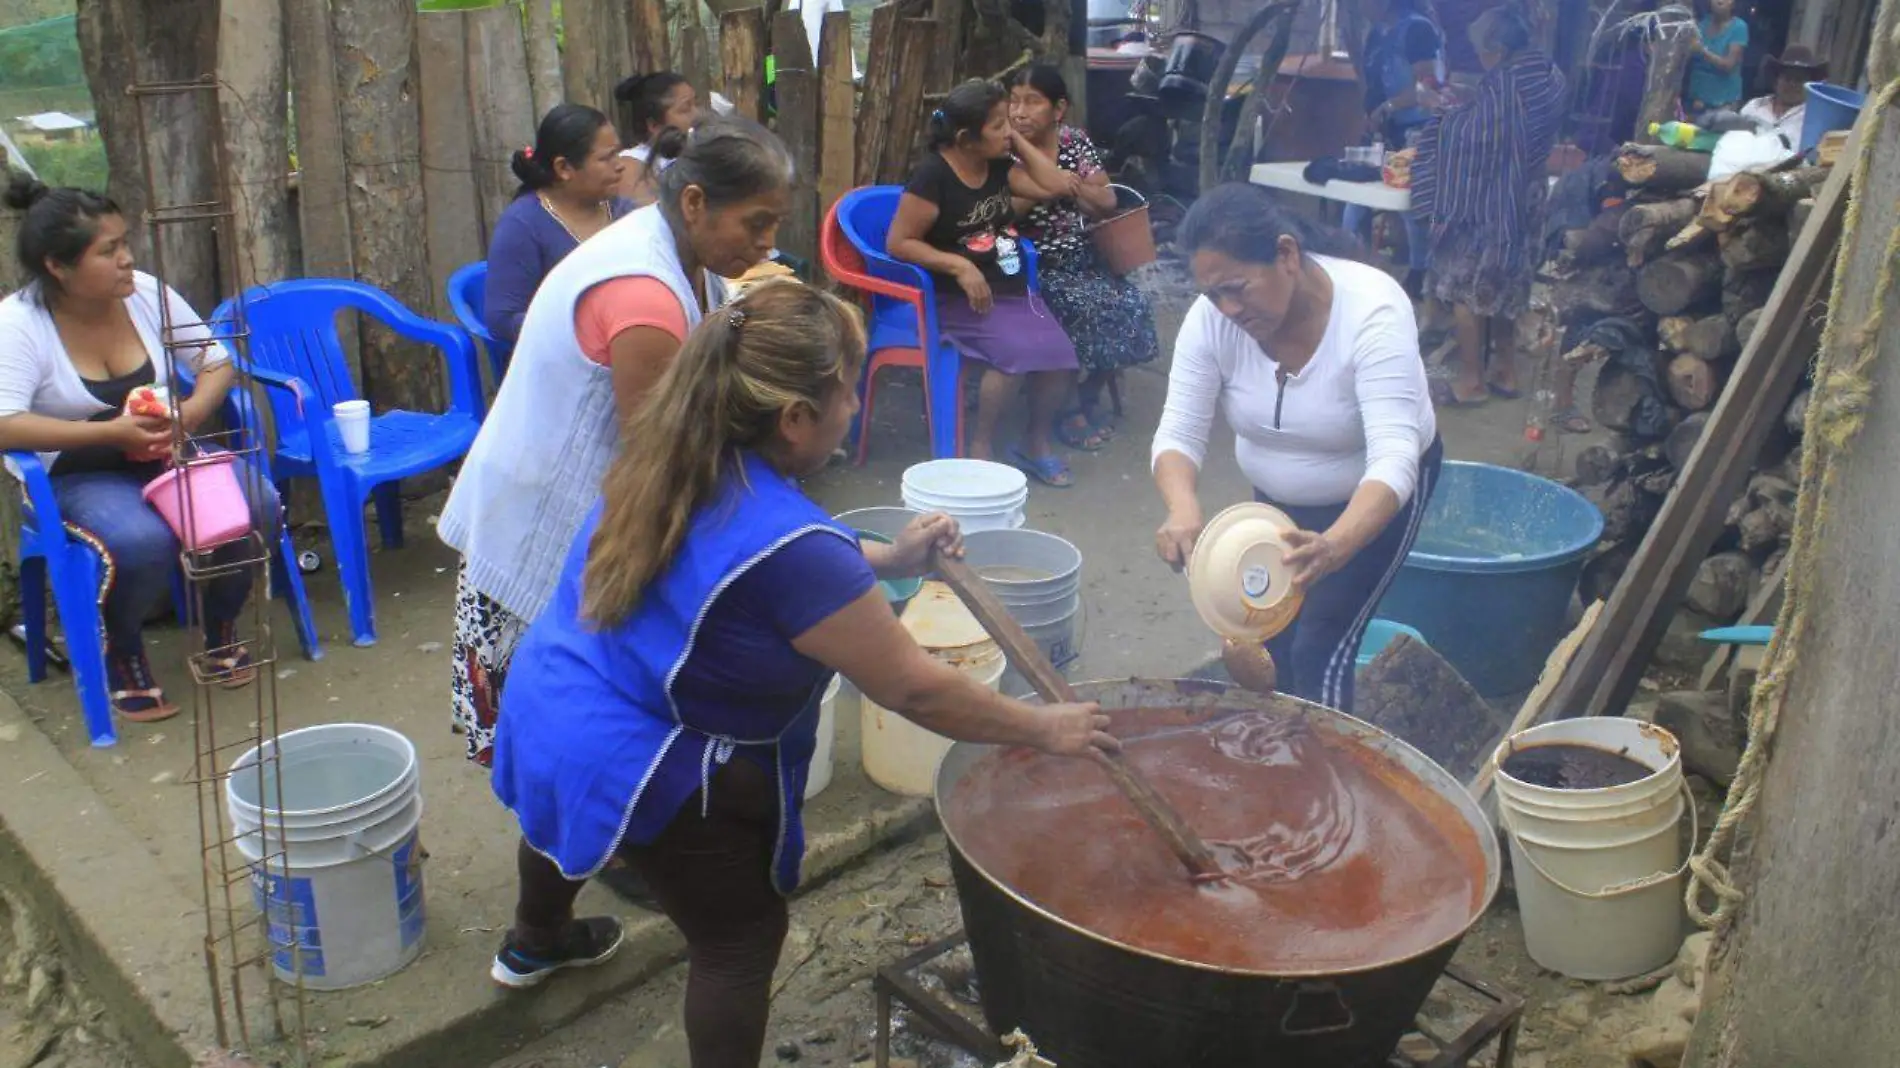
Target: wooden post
(742,58)
(128,42)
(798,128)
(1820,875)
(544,58)
(254,113)
(949,51)
(837,107)
(913,44)
(874,114)
(500,106)
(452,209)
(695,59)
(10,280)
(1662,91)
(582,41)
(382,129)
(323,204)
(646,22)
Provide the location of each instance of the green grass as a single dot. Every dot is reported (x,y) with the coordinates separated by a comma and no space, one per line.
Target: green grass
(76,163)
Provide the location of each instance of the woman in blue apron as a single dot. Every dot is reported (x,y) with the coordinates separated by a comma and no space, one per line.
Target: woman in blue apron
(1403,51)
(665,706)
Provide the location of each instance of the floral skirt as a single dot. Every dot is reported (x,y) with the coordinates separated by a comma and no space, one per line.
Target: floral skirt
(1107,318)
(486,635)
(1476,266)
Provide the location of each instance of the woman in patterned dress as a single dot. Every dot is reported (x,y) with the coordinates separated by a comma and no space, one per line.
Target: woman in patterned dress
(1107,317)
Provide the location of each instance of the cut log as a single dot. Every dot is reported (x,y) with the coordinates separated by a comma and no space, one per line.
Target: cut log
(1766,195)
(1682,440)
(1619,398)
(1661,169)
(1411,691)
(1596,465)
(1747,291)
(1598,241)
(1646,228)
(742,50)
(1627,509)
(1745,327)
(1796,417)
(1693,383)
(1757,244)
(1766,528)
(1770,488)
(1722,585)
(1679,283)
(1594,292)
(1711,338)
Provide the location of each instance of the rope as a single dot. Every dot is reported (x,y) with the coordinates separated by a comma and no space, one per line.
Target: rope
(1837,409)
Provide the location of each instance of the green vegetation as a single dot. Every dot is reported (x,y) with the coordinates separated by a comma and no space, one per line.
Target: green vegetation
(78,163)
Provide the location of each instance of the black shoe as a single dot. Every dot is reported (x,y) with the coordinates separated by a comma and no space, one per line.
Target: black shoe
(628,886)
(584,943)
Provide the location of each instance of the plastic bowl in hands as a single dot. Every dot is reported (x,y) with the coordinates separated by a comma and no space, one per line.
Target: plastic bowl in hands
(1238,576)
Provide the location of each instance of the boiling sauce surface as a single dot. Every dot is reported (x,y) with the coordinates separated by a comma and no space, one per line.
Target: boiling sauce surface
(1562,766)
(1342,859)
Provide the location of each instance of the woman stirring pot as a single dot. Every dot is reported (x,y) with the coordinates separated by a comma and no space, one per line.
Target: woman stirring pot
(1313,358)
(665,707)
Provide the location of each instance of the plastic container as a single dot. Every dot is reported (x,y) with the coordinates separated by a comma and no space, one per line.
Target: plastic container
(349,910)
(1599,872)
(1025,568)
(899,755)
(1237,574)
(979,494)
(897,591)
(1379,634)
(1058,636)
(216,512)
(1126,241)
(352,425)
(821,760)
(1829,108)
(1490,579)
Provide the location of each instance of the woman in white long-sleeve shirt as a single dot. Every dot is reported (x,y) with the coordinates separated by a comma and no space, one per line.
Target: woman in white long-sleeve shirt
(1313,360)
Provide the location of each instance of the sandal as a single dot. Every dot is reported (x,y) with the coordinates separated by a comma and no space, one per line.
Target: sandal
(1571,421)
(1076,430)
(1502,392)
(132,691)
(233,670)
(1049,470)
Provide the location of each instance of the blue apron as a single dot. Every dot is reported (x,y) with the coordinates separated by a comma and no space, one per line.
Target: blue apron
(595,748)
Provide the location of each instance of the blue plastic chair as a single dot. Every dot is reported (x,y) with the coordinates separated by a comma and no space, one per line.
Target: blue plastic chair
(49,551)
(468,297)
(298,358)
(865,214)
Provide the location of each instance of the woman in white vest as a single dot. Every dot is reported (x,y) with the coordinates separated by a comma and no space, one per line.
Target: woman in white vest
(603,327)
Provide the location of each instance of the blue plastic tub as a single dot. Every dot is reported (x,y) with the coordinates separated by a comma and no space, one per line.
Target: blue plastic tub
(1379,634)
(1829,108)
(1490,579)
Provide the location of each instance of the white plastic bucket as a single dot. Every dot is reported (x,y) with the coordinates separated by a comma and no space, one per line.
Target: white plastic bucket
(341,887)
(820,776)
(1025,568)
(902,757)
(1058,636)
(1599,872)
(979,494)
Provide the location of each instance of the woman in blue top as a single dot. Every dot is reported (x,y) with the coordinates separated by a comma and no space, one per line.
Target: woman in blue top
(1715,60)
(566,196)
(1403,51)
(665,706)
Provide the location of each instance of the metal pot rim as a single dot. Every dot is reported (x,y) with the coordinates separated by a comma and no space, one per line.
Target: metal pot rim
(1390,745)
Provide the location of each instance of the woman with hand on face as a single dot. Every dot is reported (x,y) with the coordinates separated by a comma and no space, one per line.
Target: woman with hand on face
(567,196)
(75,343)
(664,709)
(1313,359)
(656,110)
(957,220)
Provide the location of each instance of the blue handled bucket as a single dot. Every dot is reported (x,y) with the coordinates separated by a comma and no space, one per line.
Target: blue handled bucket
(1829,108)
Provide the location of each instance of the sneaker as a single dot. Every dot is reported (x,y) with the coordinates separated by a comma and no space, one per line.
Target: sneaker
(584,943)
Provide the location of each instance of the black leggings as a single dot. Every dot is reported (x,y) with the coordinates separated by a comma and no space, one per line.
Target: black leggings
(712,877)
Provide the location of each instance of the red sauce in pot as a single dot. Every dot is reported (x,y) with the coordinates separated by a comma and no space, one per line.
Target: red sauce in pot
(1342,859)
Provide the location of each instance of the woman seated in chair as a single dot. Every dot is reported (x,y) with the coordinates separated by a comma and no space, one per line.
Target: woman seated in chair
(566,196)
(957,219)
(656,110)
(1107,318)
(75,343)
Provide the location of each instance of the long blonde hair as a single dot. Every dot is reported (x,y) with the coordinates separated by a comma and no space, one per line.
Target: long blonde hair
(780,346)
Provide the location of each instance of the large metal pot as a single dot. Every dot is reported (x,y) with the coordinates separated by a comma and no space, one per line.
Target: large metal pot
(1090,1002)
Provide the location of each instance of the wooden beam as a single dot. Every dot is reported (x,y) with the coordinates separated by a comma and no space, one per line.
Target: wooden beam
(452,209)
(1604,675)
(742,51)
(254,118)
(1762,609)
(544,58)
(914,40)
(798,128)
(837,109)
(695,60)
(500,106)
(323,205)
(874,115)
(582,39)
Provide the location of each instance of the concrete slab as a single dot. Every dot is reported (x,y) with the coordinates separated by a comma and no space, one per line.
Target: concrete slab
(114,833)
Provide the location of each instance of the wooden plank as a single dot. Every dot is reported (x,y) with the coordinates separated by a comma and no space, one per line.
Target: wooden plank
(252,88)
(323,207)
(742,59)
(915,38)
(581,42)
(1535,706)
(874,114)
(647,33)
(544,58)
(837,107)
(450,204)
(500,106)
(1604,676)
(695,61)
(798,128)
(1762,609)
(942,75)
(790,44)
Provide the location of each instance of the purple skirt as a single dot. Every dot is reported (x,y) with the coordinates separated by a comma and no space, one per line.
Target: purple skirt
(1019,334)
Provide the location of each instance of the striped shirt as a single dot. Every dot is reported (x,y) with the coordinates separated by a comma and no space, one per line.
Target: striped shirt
(1476,162)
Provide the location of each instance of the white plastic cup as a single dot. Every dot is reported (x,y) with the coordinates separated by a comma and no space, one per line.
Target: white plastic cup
(352,424)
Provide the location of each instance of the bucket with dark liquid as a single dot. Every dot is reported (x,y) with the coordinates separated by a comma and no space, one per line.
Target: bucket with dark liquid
(1363,864)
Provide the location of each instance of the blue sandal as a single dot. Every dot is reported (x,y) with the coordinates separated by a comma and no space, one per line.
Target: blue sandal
(1049,470)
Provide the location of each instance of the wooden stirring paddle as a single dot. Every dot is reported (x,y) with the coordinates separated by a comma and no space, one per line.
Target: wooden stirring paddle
(1026,656)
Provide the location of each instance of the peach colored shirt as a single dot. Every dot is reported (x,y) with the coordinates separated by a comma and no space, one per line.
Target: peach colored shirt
(620,304)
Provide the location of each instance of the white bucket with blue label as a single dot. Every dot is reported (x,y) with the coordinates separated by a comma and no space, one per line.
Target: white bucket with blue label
(341,886)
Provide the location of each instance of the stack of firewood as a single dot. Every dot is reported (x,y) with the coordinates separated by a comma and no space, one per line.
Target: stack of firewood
(1663,290)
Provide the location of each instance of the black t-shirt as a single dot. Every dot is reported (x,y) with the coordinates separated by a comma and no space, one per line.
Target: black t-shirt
(977,224)
(111,392)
